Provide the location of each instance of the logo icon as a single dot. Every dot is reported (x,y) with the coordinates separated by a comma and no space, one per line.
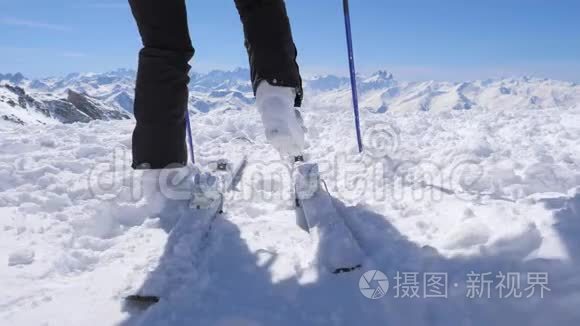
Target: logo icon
(374,284)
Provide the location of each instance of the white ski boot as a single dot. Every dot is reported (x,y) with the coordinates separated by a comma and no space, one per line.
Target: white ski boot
(283,124)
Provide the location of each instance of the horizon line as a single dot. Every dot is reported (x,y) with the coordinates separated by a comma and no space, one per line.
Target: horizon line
(309,75)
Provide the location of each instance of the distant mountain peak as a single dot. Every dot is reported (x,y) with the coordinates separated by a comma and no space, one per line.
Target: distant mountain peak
(378,80)
(381,75)
(123,72)
(72,75)
(15,78)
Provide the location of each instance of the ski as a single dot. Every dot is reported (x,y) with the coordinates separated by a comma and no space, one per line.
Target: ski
(186,243)
(338,250)
(190,235)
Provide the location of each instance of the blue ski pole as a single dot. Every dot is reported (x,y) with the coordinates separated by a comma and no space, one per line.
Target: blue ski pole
(189,136)
(352,74)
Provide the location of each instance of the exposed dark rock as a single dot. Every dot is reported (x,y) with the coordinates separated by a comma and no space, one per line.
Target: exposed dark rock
(66,112)
(93,108)
(76,107)
(15,89)
(12,118)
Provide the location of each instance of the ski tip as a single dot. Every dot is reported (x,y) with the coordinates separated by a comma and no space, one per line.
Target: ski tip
(347,269)
(141,299)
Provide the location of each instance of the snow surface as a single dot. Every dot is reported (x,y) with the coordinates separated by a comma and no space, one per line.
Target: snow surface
(453,191)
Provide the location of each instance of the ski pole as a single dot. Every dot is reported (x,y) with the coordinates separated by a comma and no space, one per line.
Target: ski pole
(189,136)
(352,74)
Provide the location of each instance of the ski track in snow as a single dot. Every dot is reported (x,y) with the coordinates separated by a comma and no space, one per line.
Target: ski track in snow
(477,190)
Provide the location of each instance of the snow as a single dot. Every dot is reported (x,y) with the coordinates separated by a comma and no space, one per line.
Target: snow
(492,189)
(21,257)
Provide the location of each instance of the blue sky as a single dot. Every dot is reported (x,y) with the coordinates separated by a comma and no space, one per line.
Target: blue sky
(415,39)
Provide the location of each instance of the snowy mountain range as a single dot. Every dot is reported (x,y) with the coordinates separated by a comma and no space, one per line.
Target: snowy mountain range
(109,96)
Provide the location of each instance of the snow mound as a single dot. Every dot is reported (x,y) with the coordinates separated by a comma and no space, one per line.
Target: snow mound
(21,257)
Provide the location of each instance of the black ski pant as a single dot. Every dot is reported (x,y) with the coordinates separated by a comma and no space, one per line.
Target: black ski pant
(161,94)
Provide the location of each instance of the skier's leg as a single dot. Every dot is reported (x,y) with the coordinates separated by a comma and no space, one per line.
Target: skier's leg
(268,39)
(161,93)
(274,71)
